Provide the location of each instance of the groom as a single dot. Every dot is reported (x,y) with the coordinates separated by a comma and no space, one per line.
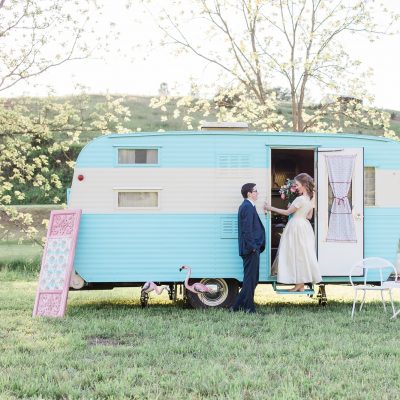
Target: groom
(251,244)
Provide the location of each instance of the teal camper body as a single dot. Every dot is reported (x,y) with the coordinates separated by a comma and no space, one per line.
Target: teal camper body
(152,202)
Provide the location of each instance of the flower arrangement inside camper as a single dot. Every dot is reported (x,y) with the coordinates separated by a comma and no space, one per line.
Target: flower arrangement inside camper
(289,191)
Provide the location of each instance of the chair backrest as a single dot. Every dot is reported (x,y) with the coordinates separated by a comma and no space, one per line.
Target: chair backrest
(372,263)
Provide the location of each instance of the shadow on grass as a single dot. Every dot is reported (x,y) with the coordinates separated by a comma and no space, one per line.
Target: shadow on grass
(121,304)
(163,307)
(307,310)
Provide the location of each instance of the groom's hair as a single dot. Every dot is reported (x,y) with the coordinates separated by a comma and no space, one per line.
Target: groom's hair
(246,188)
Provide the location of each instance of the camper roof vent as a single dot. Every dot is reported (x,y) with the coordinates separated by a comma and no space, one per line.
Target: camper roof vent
(224,126)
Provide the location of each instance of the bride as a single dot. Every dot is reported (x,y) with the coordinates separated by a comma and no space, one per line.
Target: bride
(296,260)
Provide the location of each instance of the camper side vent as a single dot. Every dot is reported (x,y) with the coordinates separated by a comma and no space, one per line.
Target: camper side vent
(232,165)
(229,228)
(233,161)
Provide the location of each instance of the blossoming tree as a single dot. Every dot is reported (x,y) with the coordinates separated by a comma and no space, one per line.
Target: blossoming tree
(35,137)
(36,36)
(300,43)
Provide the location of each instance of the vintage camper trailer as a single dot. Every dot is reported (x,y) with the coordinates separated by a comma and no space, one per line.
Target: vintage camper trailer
(152,202)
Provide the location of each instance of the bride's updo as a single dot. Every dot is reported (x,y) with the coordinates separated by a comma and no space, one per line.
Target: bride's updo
(307,182)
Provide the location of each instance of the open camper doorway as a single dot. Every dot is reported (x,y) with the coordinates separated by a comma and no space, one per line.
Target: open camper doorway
(286,164)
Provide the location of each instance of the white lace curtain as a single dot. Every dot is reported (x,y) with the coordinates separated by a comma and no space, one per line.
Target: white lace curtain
(341,223)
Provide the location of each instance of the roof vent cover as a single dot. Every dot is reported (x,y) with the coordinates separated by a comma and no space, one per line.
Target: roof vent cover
(224,126)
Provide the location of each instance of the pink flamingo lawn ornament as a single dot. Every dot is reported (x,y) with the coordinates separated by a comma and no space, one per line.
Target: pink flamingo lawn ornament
(196,287)
(151,287)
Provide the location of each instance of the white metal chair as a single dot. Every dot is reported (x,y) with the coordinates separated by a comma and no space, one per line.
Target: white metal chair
(365,266)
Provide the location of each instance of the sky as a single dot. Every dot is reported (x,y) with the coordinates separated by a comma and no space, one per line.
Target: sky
(139,69)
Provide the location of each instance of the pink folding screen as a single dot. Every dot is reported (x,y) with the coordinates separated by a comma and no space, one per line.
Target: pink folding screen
(57,264)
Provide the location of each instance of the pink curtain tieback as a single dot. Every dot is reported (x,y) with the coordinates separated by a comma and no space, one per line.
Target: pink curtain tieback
(340,200)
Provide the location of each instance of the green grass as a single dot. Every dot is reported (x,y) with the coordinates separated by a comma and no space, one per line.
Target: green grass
(16,270)
(11,251)
(107,347)
(19,260)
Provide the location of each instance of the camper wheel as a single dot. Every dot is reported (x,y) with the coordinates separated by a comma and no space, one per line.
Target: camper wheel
(223,295)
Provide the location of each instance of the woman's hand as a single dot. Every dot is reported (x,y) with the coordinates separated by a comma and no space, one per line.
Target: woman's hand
(267,207)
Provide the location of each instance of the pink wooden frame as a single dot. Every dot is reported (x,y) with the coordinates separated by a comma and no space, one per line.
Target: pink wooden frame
(57,264)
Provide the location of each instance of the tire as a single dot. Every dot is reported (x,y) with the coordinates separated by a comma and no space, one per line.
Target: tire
(225,296)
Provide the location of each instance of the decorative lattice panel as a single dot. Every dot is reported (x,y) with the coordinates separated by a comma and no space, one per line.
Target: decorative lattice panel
(57,264)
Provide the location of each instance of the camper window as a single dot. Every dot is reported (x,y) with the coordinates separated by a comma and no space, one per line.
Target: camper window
(138,199)
(137,156)
(369,186)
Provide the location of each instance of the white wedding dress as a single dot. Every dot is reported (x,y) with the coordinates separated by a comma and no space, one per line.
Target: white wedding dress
(296,260)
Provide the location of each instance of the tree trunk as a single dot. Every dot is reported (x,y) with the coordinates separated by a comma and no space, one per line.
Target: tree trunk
(294,111)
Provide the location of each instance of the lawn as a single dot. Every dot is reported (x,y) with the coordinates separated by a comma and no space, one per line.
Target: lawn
(107,347)
(11,250)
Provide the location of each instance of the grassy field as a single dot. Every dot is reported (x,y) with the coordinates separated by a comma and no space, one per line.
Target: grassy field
(10,251)
(107,347)
(19,258)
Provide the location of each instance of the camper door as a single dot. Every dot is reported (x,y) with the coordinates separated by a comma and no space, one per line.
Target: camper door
(340,210)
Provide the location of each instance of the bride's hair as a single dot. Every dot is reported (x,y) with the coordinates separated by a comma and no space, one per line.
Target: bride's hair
(307,182)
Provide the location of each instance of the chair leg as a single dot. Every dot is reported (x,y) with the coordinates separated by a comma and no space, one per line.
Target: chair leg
(396,314)
(383,301)
(363,300)
(391,302)
(354,303)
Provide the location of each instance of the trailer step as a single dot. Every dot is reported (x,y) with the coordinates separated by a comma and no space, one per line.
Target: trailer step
(308,292)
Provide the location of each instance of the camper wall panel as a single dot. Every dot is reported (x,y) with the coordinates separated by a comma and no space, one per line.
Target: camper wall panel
(137,248)
(382,232)
(387,187)
(182,190)
(185,150)
(198,149)
(206,190)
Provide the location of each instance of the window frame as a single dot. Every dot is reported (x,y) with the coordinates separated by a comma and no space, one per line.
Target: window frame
(118,165)
(366,204)
(118,190)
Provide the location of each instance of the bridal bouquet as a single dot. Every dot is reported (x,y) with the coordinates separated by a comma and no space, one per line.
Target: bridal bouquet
(288,191)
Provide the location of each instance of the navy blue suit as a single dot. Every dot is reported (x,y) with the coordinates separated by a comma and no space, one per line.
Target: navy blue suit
(251,244)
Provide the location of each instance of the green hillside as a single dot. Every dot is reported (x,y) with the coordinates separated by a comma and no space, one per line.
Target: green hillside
(149,119)
(143,118)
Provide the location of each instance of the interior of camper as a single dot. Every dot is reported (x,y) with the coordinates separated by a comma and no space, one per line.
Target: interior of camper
(286,164)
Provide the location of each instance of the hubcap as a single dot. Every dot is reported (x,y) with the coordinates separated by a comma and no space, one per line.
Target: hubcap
(219,294)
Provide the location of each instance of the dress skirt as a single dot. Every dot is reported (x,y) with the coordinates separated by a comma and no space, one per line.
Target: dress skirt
(296,260)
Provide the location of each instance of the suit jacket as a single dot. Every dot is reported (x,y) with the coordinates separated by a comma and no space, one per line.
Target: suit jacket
(251,230)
